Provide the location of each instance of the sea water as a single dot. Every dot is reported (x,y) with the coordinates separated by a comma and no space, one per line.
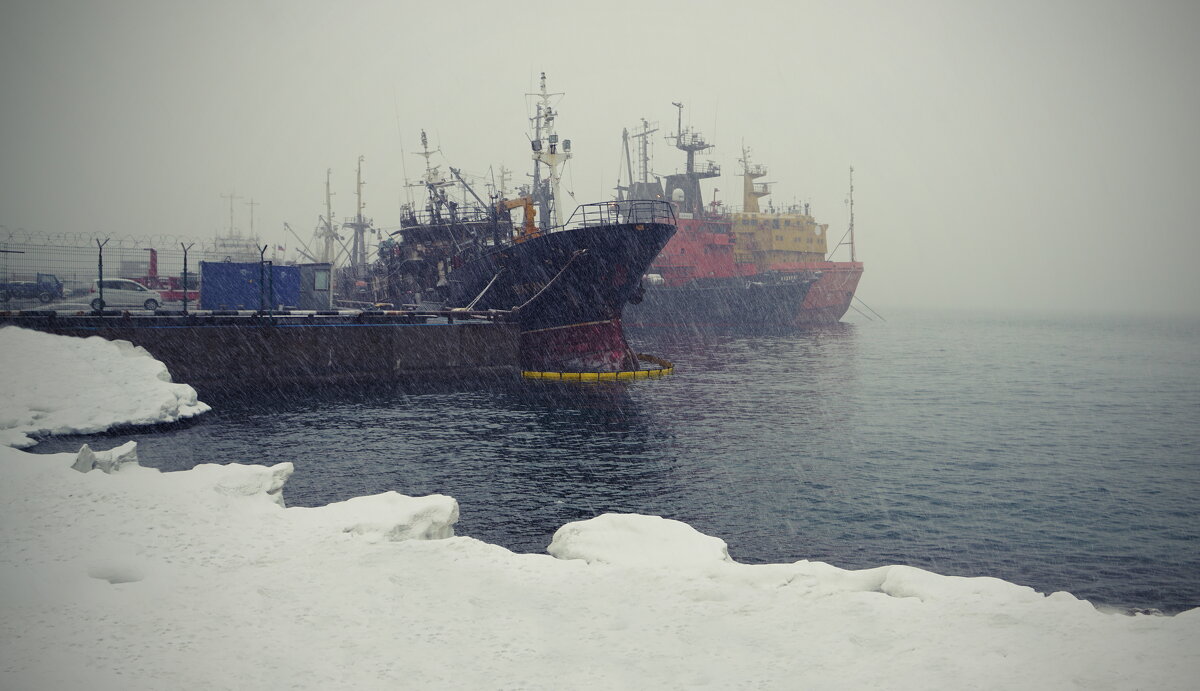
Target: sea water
(1062,453)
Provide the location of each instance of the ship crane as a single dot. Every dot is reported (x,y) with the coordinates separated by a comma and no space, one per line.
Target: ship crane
(529,228)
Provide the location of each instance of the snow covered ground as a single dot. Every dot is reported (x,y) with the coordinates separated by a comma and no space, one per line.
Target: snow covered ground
(117,576)
(57,385)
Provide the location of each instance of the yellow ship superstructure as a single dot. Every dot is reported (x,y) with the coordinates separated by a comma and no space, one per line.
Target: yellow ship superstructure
(771,241)
(792,242)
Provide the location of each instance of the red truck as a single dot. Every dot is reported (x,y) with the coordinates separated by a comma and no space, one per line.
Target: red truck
(171,287)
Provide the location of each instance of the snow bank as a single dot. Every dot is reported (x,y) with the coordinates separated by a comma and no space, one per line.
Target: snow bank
(59,385)
(108,461)
(116,576)
(635,540)
(137,579)
(387,517)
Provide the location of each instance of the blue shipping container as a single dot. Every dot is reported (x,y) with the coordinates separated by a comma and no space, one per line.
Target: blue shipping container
(238,286)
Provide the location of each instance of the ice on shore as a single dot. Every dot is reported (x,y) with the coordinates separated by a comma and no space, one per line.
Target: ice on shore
(138,579)
(58,385)
(117,576)
(634,540)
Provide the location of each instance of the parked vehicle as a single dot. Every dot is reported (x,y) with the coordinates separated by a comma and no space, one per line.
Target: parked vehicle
(47,287)
(171,287)
(122,292)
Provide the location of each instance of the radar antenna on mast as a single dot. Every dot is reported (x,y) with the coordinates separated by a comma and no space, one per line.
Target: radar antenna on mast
(684,188)
(546,151)
(432,181)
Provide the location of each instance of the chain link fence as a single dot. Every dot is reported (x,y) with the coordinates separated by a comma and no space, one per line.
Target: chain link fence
(63,271)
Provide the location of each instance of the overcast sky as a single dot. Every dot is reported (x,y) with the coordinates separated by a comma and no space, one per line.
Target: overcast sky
(1006,154)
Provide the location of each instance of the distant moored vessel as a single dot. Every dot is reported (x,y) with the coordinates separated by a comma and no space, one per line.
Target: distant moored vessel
(736,267)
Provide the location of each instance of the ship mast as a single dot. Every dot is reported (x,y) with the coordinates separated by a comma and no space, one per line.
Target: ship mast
(751,190)
(546,152)
(358,253)
(252,204)
(852,213)
(432,180)
(231,196)
(329,235)
(639,187)
(690,142)
(324,232)
(502,186)
(623,191)
(644,151)
(536,144)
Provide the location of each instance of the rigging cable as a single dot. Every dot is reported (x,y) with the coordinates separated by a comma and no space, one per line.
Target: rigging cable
(862,313)
(868,307)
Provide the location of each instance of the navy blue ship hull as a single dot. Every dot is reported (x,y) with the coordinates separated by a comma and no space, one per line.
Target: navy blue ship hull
(569,289)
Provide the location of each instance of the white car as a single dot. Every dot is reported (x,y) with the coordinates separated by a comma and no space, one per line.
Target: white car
(122,292)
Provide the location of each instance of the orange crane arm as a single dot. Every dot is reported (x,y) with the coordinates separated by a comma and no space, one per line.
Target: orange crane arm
(528,227)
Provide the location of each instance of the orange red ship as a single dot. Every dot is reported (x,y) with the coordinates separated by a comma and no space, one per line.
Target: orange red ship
(743,266)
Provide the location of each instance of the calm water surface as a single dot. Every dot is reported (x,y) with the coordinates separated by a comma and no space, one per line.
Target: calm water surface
(1063,454)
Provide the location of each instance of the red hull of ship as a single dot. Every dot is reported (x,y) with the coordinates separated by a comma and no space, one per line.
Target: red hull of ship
(592,347)
(829,298)
(704,250)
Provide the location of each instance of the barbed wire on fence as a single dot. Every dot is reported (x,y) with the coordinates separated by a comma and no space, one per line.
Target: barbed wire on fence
(64,267)
(158,241)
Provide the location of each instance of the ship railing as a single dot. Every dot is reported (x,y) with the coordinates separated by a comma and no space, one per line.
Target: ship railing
(692,140)
(767,210)
(463,214)
(625,211)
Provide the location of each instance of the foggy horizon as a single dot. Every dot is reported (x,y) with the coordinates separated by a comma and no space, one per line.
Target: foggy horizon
(1015,156)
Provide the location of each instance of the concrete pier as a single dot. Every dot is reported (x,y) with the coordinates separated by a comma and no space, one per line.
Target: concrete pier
(236,350)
